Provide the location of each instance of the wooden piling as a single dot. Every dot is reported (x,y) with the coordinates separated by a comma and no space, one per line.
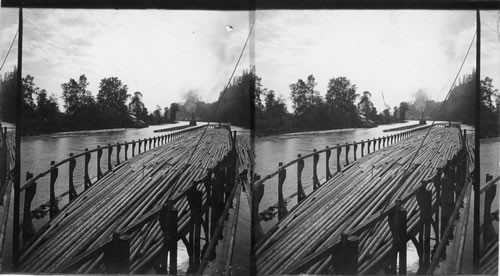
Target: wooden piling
(301,195)
(54,209)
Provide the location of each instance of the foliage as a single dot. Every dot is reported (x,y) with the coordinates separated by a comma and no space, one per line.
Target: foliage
(76,96)
(8,91)
(137,107)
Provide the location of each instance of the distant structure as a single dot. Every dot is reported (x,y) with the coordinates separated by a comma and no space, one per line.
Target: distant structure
(422,120)
(192,122)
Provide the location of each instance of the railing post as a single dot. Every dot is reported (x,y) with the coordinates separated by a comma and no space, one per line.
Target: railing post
(437,214)
(29,194)
(347,154)
(355,149)
(339,151)
(362,148)
(54,209)
(257,194)
(168,220)
(398,223)
(424,200)
(447,199)
(110,151)
(150,141)
(139,146)
(133,148)
(195,198)
(99,155)
(71,184)
(86,178)
(346,257)
(327,163)
(145,144)
(315,170)
(281,200)
(117,255)
(118,148)
(301,195)
(368,146)
(489,195)
(126,151)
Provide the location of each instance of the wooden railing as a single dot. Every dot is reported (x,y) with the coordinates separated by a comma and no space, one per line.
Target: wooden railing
(438,198)
(208,199)
(365,147)
(130,149)
(435,198)
(489,234)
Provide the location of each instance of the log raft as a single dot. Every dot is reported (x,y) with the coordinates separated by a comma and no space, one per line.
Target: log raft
(123,223)
(348,224)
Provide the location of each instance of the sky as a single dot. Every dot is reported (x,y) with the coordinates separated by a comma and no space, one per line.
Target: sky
(164,54)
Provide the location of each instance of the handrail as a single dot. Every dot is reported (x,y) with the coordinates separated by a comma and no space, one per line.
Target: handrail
(456,163)
(489,184)
(64,161)
(158,210)
(403,134)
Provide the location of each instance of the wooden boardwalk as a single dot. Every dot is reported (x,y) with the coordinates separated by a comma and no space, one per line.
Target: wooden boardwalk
(365,189)
(128,200)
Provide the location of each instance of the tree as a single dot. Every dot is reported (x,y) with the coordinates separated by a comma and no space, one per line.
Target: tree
(8,95)
(340,97)
(136,106)
(112,94)
(75,95)
(111,100)
(488,92)
(303,95)
(29,92)
(174,107)
(366,107)
(47,107)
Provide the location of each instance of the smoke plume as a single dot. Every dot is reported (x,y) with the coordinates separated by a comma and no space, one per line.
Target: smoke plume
(421,98)
(190,99)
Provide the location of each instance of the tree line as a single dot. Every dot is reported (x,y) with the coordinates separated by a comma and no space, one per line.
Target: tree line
(112,107)
(341,106)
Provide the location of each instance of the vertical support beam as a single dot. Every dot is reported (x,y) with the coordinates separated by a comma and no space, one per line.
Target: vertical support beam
(117,255)
(339,151)
(99,155)
(118,148)
(368,146)
(133,148)
(489,232)
(347,153)
(195,198)
(447,199)
(139,146)
(437,214)
(315,170)
(126,151)
(17,166)
(362,148)
(327,163)
(110,151)
(355,149)
(29,194)
(168,219)
(424,200)
(301,195)
(257,232)
(477,169)
(71,184)
(346,256)
(54,209)
(281,200)
(86,178)
(397,220)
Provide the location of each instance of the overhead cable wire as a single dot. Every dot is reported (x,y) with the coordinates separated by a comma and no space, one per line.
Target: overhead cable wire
(8,52)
